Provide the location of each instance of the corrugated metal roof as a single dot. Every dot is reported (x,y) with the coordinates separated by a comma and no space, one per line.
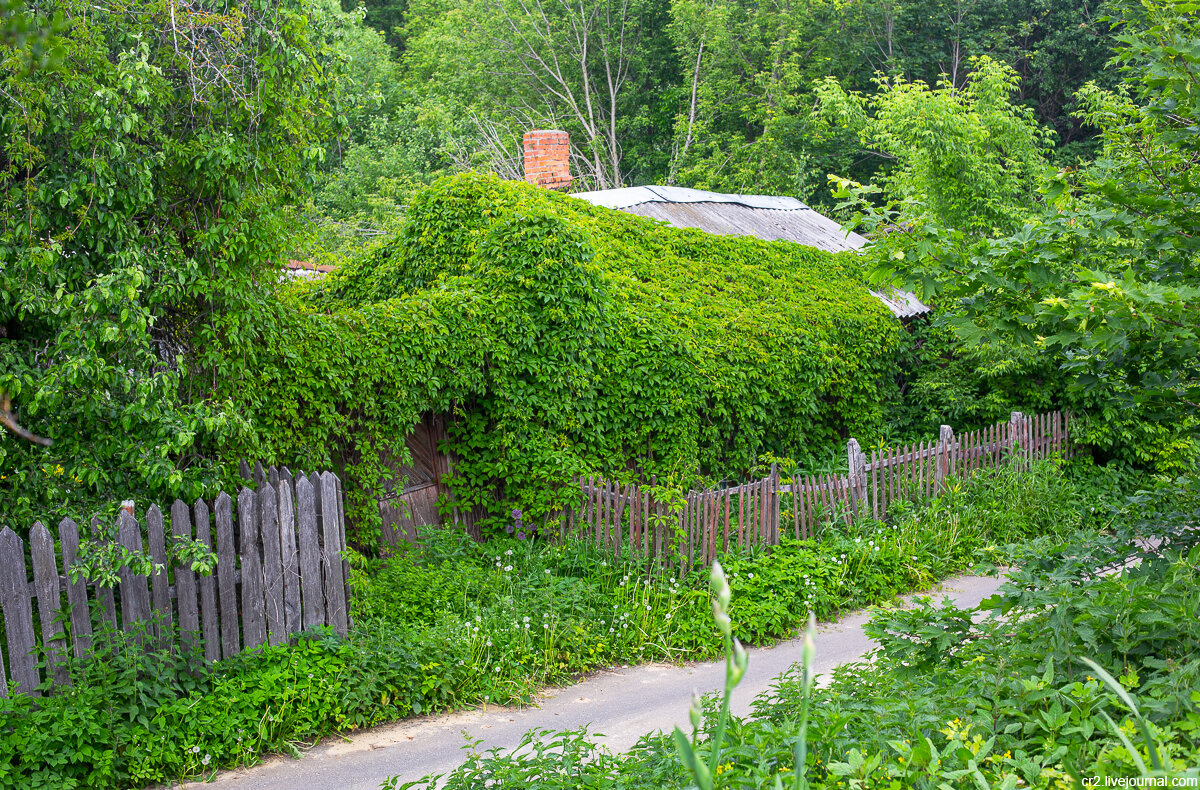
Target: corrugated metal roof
(763,216)
(631,196)
(803,226)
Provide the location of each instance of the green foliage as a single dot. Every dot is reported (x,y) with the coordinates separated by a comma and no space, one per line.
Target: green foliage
(598,70)
(965,157)
(565,338)
(736,661)
(953,699)
(451,622)
(135,717)
(100,559)
(143,188)
(1100,275)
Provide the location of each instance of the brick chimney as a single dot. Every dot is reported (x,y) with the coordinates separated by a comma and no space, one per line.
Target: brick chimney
(546,153)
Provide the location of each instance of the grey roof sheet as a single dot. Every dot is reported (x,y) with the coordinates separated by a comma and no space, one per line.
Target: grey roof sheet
(763,216)
(631,196)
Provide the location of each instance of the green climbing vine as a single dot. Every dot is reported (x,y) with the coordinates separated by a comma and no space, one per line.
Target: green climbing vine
(563,338)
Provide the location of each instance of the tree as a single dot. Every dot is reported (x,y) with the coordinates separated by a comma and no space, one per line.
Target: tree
(144,185)
(514,65)
(747,124)
(1103,274)
(961,157)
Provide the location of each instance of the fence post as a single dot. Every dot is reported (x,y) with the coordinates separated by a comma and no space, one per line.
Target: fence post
(856,465)
(945,447)
(45,580)
(1016,435)
(18,617)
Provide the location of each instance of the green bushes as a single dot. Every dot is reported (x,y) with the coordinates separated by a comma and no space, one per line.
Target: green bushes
(1014,691)
(562,337)
(133,718)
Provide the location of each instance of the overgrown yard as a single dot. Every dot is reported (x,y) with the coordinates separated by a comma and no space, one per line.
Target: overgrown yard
(456,624)
(1022,699)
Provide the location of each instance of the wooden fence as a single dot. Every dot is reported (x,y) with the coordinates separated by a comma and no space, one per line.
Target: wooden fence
(714,520)
(279,570)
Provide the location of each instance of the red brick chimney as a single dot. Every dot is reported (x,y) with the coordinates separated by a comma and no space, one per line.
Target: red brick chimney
(546,152)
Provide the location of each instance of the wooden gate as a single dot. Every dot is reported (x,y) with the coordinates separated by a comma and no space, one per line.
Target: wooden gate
(412,500)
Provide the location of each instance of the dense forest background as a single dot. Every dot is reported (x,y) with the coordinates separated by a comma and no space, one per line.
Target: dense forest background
(1028,167)
(712,95)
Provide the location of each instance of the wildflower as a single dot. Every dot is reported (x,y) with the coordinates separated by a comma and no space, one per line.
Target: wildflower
(520,534)
(195,750)
(525,619)
(547,571)
(508,553)
(206,759)
(507,568)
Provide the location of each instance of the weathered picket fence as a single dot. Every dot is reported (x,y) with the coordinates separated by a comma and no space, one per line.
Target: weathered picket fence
(711,521)
(279,570)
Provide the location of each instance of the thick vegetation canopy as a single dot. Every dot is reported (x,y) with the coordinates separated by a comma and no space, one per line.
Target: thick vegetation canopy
(145,176)
(566,338)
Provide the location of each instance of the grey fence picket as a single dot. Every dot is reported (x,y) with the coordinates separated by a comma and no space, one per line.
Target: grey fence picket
(207,587)
(226,575)
(341,521)
(49,598)
(312,597)
(289,554)
(268,523)
(185,578)
(104,595)
(331,558)
(135,596)
(81,621)
(18,616)
(160,589)
(254,621)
